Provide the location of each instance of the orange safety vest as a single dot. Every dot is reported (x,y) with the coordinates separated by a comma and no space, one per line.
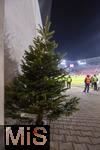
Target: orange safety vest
(87,80)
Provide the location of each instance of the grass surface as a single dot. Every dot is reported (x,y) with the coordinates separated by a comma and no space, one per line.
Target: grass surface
(78,80)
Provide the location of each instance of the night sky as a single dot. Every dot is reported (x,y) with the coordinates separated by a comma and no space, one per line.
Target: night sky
(77,27)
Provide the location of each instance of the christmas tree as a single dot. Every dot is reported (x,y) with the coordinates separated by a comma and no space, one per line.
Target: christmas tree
(40,88)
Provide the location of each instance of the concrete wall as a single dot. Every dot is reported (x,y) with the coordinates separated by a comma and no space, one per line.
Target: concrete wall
(18,22)
(45,8)
(1,64)
(21,20)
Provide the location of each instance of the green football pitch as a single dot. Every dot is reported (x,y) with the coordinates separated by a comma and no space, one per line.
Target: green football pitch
(78,80)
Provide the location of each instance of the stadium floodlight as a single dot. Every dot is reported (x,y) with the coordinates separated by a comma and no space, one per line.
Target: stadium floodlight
(71,65)
(63,62)
(81,62)
(65,66)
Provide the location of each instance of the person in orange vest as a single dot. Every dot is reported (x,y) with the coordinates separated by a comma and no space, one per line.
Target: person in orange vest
(87,83)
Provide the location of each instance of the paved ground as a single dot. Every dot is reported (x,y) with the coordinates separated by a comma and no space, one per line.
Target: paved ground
(82,130)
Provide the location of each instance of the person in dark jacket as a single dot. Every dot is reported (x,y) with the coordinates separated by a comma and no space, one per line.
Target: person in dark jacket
(92,82)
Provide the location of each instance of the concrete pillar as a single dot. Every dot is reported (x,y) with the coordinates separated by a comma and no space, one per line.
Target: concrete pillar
(1,63)
(45,8)
(21,20)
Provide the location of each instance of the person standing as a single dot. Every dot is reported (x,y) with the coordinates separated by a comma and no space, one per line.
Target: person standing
(87,83)
(95,80)
(98,83)
(69,81)
(92,82)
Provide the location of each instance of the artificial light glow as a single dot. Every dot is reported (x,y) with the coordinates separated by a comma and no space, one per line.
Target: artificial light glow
(80,62)
(71,65)
(63,62)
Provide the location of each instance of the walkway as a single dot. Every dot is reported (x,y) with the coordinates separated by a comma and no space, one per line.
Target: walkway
(82,130)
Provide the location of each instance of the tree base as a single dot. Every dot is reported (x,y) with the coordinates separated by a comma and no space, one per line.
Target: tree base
(44,122)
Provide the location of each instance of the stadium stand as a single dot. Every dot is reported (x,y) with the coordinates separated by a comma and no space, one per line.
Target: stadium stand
(91,66)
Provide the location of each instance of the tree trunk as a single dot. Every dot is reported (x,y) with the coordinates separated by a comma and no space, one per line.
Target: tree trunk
(39,120)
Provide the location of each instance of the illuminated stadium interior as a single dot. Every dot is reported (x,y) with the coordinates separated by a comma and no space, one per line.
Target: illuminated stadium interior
(82,67)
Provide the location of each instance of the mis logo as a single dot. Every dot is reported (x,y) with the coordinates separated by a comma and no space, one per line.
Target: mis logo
(27,137)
